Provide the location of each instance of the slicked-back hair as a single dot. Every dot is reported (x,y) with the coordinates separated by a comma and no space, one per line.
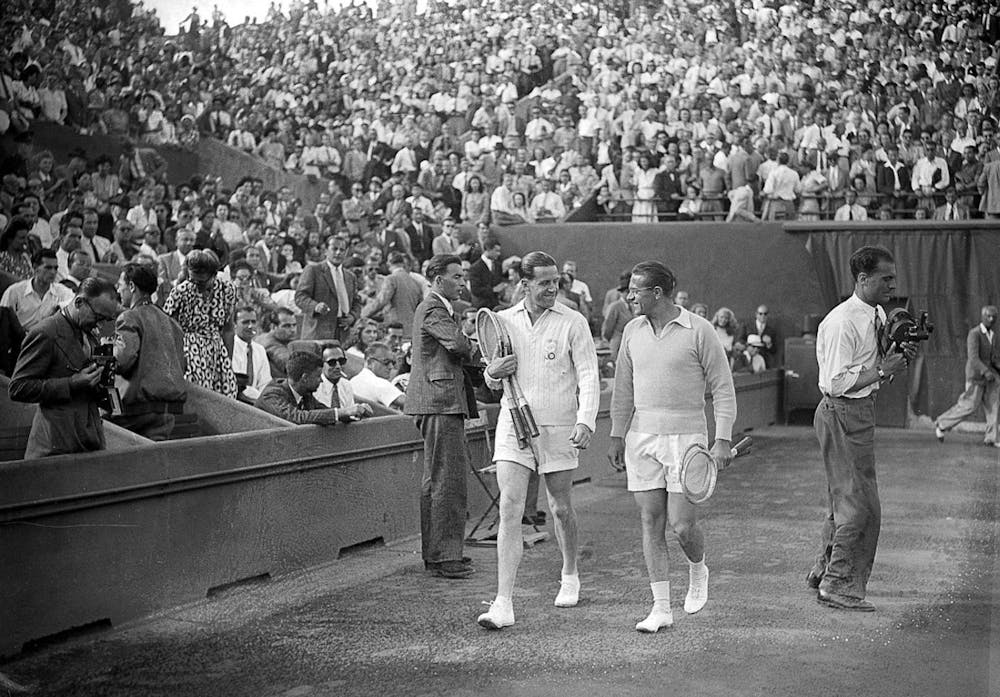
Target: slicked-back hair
(656,274)
(866,259)
(439,263)
(533,261)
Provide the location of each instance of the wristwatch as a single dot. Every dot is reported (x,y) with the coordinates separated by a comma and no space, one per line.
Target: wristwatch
(881,373)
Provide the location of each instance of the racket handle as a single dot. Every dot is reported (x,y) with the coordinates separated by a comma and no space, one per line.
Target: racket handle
(529,420)
(742,446)
(520,427)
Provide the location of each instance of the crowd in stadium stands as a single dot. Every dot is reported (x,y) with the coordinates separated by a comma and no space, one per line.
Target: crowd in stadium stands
(491,115)
(510,112)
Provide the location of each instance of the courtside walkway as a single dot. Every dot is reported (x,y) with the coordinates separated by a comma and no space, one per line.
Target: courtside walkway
(376,624)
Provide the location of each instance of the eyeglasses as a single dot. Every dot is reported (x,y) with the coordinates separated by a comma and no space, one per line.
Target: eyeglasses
(99,316)
(383,361)
(336,361)
(761,313)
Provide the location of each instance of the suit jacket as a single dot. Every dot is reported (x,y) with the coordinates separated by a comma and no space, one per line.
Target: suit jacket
(315,287)
(168,268)
(481,282)
(67,420)
(885,184)
(277,399)
(438,383)
(770,354)
(989,186)
(981,355)
(665,184)
(420,243)
(393,242)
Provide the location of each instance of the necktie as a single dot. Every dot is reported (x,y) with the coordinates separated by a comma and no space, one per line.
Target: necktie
(879,328)
(334,397)
(249,364)
(951,213)
(343,302)
(850,216)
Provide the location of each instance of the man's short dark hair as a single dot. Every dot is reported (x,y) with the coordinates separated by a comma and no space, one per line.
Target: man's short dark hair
(284,311)
(40,255)
(94,287)
(533,261)
(394,325)
(302,363)
(656,274)
(142,276)
(397,258)
(439,264)
(866,259)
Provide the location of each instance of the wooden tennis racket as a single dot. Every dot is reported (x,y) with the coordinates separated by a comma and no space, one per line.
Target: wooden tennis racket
(494,342)
(699,471)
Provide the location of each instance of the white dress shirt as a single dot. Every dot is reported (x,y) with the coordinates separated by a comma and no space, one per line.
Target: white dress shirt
(261,366)
(29,306)
(846,344)
(369,386)
(344,392)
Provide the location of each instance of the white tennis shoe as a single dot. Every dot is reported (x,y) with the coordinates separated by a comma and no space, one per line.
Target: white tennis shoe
(500,615)
(658,619)
(569,592)
(697,594)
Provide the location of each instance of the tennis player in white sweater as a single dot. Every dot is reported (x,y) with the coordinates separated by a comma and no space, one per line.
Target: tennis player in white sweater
(555,363)
(668,358)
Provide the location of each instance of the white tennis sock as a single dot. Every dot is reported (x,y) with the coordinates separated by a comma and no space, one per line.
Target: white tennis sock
(661,615)
(697,569)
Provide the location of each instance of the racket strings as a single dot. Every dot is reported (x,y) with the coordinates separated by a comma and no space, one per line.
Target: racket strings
(488,336)
(698,475)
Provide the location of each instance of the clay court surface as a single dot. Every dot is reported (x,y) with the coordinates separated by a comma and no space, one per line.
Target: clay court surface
(374,623)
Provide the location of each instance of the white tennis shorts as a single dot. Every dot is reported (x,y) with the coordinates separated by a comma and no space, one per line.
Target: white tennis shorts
(654,462)
(551,451)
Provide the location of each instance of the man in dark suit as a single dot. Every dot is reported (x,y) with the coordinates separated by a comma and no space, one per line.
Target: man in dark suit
(761,326)
(421,236)
(440,398)
(56,371)
(486,277)
(327,296)
(669,188)
(386,238)
(892,179)
(170,264)
(982,379)
(292,398)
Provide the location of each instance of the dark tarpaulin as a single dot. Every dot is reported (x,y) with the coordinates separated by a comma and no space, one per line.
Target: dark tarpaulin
(949,271)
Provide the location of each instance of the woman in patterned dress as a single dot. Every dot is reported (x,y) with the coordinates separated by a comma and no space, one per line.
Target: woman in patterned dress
(203,305)
(14,260)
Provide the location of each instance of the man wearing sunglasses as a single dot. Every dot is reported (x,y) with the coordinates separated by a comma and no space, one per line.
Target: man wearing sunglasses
(334,391)
(56,370)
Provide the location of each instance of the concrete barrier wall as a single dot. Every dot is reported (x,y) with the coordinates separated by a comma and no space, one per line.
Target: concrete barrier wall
(117,535)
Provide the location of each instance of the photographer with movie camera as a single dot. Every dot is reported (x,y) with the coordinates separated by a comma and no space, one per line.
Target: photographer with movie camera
(149,351)
(57,370)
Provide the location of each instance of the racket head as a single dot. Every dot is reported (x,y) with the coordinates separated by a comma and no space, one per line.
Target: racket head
(698,474)
(488,334)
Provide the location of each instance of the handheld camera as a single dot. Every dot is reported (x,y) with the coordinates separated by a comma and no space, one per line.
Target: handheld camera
(900,327)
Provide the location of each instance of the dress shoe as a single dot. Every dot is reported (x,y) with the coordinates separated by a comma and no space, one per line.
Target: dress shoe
(844,602)
(812,580)
(467,561)
(500,615)
(450,569)
(938,433)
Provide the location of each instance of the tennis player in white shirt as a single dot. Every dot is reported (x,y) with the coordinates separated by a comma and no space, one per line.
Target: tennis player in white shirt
(555,363)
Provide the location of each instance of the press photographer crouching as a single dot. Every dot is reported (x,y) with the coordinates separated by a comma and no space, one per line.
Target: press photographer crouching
(57,370)
(149,351)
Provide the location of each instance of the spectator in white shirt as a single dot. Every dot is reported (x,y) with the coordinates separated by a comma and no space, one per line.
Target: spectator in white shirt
(250,363)
(372,383)
(780,190)
(38,297)
(547,206)
(333,383)
(851,210)
(930,175)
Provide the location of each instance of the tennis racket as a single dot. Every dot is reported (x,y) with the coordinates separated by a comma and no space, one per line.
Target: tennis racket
(494,342)
(699,471)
